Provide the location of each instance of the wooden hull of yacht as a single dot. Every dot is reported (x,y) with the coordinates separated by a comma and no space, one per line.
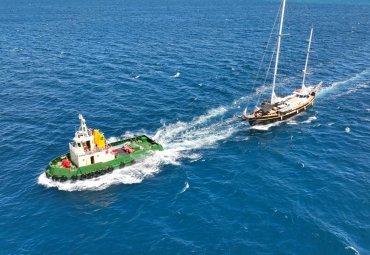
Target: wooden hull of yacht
(271,118)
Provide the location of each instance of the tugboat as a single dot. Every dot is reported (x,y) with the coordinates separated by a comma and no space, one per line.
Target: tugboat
(281,108)
(90,156)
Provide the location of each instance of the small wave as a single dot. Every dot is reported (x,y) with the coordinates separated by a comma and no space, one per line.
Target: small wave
(266,127)
(310,119)
(353,249)
(292,122)
(185,187)
(112,139)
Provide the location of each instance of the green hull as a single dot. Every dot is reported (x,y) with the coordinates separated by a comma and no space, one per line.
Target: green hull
(142,145)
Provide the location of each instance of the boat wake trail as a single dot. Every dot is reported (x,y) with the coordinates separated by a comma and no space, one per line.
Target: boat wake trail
(180,140)
(291,121)
(358,81)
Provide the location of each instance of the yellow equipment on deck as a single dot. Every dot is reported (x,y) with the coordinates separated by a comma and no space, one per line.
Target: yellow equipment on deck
(99,139)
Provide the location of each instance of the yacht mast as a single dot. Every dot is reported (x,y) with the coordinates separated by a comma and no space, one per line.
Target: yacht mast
(273,95)
(308,54)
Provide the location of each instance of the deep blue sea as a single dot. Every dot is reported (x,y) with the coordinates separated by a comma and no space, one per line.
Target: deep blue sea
(182,72)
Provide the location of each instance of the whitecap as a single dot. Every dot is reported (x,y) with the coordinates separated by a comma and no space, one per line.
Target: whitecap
(310,119)
(177,75)
(185,187)
(292,122)
(112,139)
(265,127)
(353,248)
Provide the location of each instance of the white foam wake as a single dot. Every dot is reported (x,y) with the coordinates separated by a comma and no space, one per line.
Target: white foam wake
(185,187)
(353,249)
(353,83)
(267,126)
(180,140)
(291,121)
(310,119)
(176,75)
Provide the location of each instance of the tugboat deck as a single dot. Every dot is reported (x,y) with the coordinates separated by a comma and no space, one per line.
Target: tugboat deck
(126,152)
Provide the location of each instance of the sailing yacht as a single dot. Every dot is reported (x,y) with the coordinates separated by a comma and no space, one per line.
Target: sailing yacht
(281,108)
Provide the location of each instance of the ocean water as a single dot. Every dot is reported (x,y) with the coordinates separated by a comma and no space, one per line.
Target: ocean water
(182,72)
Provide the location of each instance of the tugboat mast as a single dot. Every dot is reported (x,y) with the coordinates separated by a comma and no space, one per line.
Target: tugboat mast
(273,95)
(308,54)
(83,125)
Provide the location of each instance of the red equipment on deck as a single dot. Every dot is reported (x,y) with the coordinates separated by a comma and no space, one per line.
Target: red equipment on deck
(128,149)
(66,163)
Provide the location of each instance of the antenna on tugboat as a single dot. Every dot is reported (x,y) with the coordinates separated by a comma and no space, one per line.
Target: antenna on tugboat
(307,57)
(83,125)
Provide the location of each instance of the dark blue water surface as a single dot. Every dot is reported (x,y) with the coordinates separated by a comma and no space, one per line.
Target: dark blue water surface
(182,72)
